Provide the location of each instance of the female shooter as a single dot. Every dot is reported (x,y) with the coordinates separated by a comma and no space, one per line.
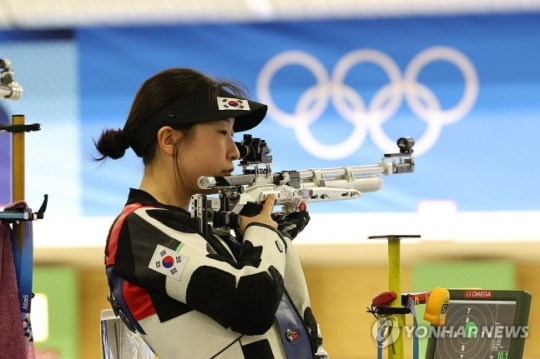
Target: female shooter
(189,296)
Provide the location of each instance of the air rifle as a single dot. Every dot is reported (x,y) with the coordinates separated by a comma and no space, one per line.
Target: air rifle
(244,194)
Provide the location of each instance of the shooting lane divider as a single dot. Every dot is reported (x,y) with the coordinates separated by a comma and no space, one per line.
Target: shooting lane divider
(21,216)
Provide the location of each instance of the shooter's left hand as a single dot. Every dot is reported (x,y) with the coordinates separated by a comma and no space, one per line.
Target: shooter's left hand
(291,224)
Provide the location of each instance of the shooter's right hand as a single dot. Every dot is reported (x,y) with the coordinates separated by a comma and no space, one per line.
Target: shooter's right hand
(264,217)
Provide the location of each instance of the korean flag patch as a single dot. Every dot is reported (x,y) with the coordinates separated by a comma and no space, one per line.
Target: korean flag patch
(229,103)
(167,261)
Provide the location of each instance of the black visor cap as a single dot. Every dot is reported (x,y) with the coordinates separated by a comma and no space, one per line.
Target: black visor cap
(197,108)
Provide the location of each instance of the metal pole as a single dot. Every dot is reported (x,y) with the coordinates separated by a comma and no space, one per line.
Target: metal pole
(395,351)
(17,172)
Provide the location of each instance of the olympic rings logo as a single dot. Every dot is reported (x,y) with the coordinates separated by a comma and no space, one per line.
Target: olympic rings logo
(384,104)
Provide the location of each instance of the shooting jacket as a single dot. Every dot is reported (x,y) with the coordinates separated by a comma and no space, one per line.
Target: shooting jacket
(207,298)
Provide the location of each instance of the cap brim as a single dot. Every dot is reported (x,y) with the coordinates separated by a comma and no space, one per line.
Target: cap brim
(246,120)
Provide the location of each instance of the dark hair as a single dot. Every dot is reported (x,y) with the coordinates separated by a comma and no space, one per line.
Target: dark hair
(155,93)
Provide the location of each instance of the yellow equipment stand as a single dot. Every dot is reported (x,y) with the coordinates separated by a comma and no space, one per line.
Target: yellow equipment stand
(17,173)
(395,351)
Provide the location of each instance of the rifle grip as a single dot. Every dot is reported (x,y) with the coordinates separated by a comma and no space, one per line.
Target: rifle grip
(251,209)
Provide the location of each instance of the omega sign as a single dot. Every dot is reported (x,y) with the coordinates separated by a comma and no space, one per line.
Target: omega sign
(478,294)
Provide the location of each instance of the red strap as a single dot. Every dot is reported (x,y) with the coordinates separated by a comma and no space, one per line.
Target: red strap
(138,301)
(136,298)
(110,251)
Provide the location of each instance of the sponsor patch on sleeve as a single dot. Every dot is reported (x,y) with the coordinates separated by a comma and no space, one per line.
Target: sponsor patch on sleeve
(167,261)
